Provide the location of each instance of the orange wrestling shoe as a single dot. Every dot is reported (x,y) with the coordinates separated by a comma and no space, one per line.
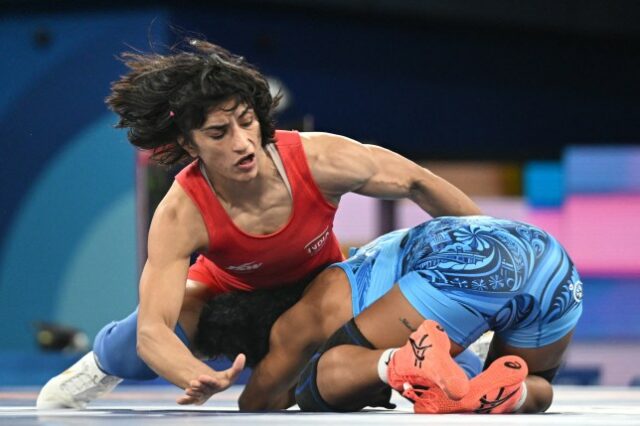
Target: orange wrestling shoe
(496,390)
(425,361)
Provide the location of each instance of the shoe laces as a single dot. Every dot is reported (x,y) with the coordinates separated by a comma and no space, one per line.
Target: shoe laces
(86,387)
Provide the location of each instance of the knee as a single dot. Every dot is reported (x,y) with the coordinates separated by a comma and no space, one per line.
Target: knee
(539,395)
(307,393)
(545,398)
(328,369)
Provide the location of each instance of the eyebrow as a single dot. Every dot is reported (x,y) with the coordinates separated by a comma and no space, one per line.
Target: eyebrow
(246,109)
(214,127)
(224,126)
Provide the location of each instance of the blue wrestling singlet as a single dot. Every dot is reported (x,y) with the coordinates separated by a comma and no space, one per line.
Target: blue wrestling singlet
(473,274)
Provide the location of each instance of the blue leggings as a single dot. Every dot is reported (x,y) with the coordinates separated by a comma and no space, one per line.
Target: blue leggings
(115,349)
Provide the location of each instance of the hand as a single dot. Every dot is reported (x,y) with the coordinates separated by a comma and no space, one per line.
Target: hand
(202,388)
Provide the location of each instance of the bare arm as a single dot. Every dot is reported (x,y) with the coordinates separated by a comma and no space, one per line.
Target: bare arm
(340,165)
(176,231)
(295,336)
(291,344)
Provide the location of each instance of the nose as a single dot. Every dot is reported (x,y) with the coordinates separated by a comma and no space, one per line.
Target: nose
(241,140)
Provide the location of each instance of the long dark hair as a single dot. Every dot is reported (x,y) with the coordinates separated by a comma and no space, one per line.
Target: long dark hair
(164,97)
(240,322)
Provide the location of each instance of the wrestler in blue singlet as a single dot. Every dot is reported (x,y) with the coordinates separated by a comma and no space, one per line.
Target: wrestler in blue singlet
(473,274)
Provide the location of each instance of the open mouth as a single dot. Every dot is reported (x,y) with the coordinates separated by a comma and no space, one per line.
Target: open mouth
(247,159)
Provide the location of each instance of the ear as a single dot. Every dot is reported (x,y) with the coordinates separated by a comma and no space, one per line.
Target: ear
(188,146)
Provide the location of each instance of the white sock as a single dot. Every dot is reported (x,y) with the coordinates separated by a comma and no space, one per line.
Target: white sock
(383,363)
(523,398)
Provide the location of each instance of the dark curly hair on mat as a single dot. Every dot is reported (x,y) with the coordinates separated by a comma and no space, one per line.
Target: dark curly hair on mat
(240,322)
(164,97)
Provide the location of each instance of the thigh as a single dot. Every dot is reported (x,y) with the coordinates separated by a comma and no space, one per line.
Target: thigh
(544,327)
(389,321)
(541,361)
(324,307)
(327,301)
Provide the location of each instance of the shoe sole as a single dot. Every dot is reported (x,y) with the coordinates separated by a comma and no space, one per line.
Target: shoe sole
(432,357)
(503,376)
(502,379)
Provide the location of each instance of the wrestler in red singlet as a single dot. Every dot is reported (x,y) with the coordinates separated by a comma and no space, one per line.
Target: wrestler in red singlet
(240,261)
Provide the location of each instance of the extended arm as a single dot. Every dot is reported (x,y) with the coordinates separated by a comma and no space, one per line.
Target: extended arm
(290,346)
(294,338)
(174,234)
(342,165)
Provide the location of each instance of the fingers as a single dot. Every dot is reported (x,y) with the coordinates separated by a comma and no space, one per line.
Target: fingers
(188,400)
(197,393)
(238,363)
(183,400)
(202,388)
(195,397)
(236,368)
(194,393)
(196,385)
(223,379)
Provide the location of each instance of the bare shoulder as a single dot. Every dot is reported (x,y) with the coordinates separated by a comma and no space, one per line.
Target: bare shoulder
(328,144)
(178,220)
(338,163)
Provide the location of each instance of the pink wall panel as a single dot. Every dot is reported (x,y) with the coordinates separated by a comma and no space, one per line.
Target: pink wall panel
(356,220)
(408,214)
(602,233)
(548,219)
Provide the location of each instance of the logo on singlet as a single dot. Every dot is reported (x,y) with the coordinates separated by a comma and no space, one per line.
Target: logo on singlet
(245,267)
(315,245)
(576,291)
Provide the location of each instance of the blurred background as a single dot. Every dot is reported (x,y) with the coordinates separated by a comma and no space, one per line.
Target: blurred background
(530,107)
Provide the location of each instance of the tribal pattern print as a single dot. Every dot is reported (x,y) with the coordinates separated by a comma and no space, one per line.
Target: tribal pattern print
(502,275)
(494,256)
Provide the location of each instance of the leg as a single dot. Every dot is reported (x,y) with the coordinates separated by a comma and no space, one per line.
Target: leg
(518,381)
(541,322)
(114,357)
(543,363)
(542,341)
(294,337)
(347,376)
(391,319)
(531,347)
(115,344)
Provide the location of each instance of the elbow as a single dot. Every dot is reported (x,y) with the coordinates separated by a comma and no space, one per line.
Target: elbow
(440,198)
(250,401)
(248,404)
(274,401)
(243,404)
(144,342)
